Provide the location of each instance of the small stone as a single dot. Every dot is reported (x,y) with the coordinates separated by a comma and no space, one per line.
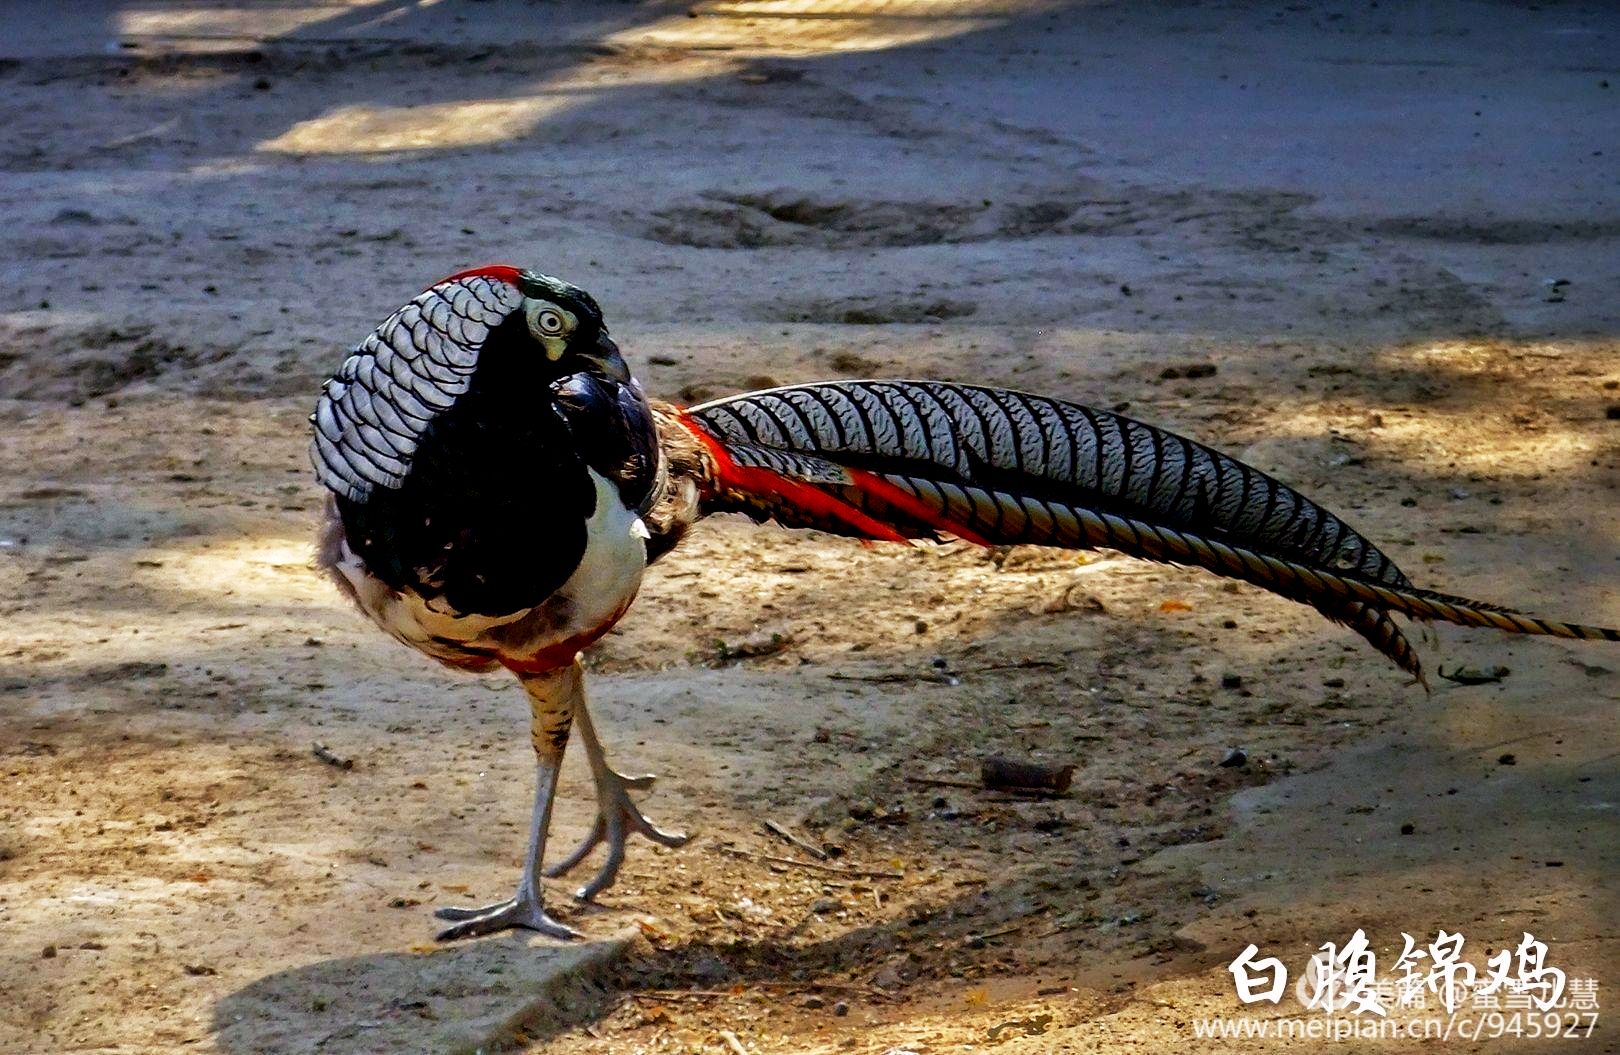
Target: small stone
(262,84)
(814,1002)
(887,977)
(1408,828)
(921,626)
(1509,759)
(824,906)
(1613,412)
(840,1009)
(1234,758)
(1231,681)
(1334,683)
(48,953)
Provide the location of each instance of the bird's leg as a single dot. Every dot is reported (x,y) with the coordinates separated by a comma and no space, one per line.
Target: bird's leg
(617,817)
(553,699)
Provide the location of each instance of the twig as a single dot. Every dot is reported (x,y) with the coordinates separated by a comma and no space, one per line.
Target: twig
(808,847)
(971,785)
(987,935)
(934,782)
(945,676)
(732,1042)
(842,987)
(325,754)
(684,994)
(1022,664)
(895,677)
(848,873)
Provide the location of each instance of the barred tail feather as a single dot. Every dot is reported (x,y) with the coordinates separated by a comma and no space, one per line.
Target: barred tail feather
(1359,603)
(1315,586)
(913,459)
(1380,631)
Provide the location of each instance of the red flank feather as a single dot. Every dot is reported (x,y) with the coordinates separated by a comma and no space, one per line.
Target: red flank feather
(912,506)
(753,480)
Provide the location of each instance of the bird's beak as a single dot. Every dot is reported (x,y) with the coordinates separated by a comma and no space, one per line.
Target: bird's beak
(607,357)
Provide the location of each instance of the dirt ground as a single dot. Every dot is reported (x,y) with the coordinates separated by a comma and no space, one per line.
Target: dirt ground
(1394,231)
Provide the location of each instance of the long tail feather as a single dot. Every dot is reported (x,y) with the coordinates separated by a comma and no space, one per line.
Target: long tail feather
(913,459)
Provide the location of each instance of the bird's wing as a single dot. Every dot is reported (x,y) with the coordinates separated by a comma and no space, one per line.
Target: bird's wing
(901,460)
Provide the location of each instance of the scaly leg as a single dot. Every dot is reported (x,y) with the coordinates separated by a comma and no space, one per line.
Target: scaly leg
(553,699)
(617,817)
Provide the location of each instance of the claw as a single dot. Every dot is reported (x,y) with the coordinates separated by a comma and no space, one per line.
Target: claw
(579,853)
(455,913)
(523,912)
(617,819)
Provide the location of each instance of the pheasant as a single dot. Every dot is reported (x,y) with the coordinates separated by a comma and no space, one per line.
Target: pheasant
(499,483)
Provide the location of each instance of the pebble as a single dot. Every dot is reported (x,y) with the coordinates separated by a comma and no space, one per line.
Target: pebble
(840,1009)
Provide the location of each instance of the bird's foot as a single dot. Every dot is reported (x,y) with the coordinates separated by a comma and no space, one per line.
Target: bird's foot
(617,819)
(521,911)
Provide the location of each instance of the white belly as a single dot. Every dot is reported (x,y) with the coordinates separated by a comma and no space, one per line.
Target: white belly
(590,601)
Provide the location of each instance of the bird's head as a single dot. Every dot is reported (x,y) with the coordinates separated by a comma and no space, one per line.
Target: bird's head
(488,333)
(563,321)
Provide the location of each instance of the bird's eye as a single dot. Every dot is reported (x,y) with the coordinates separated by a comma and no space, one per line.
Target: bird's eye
(548,323)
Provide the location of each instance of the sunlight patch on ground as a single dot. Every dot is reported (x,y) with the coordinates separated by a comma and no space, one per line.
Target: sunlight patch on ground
(760,28)
(226,24)
(772,27)
(361,129)
(213,598)
(257,570)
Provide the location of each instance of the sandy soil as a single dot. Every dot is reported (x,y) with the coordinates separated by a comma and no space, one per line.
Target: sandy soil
(1356,214)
